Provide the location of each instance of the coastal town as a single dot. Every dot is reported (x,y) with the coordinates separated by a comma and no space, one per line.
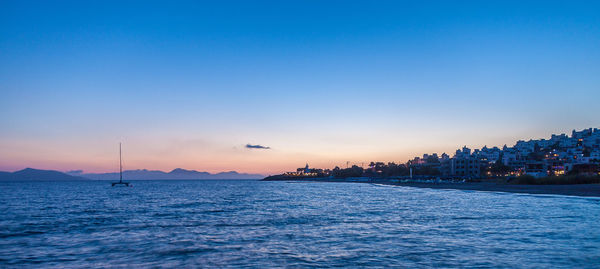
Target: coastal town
(560,155)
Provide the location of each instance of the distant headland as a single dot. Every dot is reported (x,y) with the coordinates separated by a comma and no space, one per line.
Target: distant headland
(30,174)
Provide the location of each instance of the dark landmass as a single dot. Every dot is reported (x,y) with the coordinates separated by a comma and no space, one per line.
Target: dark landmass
(284,178)
(30,174)
(175,174)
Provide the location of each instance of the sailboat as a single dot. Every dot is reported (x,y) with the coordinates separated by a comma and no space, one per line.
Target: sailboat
(120,183)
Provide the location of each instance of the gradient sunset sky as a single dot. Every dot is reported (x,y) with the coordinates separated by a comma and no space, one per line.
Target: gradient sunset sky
(190,84)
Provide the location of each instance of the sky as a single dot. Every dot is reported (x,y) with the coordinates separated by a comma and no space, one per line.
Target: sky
(191,84)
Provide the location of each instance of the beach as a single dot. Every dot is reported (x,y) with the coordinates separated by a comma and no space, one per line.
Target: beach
(587,190)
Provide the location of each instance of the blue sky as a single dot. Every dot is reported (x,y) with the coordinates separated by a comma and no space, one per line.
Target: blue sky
(189,84)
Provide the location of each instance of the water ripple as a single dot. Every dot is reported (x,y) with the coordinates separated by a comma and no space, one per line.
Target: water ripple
(277,224)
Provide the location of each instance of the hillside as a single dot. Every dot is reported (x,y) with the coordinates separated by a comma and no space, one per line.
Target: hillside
(30,174)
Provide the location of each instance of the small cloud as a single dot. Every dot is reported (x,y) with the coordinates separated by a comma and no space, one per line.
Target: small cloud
(248,146)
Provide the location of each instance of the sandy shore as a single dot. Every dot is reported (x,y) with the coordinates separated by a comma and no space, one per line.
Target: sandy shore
(589,190)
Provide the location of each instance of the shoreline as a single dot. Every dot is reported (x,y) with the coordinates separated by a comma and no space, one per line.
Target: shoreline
(582,190)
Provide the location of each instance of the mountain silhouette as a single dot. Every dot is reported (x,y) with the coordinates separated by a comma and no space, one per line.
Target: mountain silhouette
(177,173)
(30,174)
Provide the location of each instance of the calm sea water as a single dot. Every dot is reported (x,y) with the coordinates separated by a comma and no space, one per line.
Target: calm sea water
(280,224)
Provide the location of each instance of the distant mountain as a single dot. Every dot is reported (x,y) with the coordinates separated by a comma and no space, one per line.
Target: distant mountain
(30,174)
(178,173)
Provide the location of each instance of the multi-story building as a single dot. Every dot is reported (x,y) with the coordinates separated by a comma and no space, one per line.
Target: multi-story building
(463,164)
(466,167)
(554,156)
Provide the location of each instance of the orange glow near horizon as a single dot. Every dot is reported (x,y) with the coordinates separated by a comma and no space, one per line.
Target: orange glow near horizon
(217,154)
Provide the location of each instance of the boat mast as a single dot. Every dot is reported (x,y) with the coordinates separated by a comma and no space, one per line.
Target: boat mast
(120,165)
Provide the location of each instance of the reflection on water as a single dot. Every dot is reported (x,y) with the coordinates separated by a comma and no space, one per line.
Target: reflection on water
(261,224)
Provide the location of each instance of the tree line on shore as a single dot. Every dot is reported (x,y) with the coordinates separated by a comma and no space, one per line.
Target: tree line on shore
(390,170)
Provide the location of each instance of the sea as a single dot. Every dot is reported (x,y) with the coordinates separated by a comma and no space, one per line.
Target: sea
(256,224)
